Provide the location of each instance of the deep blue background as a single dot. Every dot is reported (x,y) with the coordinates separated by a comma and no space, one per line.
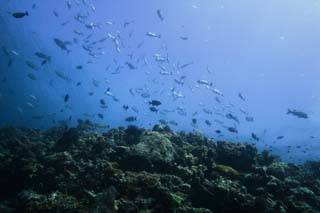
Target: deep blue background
(269,51)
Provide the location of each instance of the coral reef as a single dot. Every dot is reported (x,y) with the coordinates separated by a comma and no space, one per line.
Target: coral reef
(138,170)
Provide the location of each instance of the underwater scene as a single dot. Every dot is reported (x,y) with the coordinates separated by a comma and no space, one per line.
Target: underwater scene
(160,106)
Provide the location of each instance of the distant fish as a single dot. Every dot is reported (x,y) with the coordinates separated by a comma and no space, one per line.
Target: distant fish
(32,76)
(232,129)
(100,115)
(20,14)
(153,109)
(66,98)
(131,119)
(62,44)
(280,137)
(184,38)
(44,57)
(232,117)
(185,65)
(255,137)
(155,103)
(297,113)
(130,66)
(249,119)
(160,15)
(63,77)
(241,96)
(153,35)
(208,123)
(32,65)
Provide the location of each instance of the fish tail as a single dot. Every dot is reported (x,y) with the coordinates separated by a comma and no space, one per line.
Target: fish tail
(27,14)
(289,111)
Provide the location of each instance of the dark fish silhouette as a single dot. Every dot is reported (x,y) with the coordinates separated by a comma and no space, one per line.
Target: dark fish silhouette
(298,114)
(20,14)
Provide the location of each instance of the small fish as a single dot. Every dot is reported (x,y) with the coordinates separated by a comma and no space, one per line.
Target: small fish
(241,96)
(20,14)
(232,117)
(232,129)
(204,82)
(32,65)
(130,66)
(102,102)
(194,121)
(297,113)
(249,119)
(184,38)
(280,137)
(153,109)
(131,119)
(32,76)
(125,107)
(62,76)
(62,44)
(255,137)
(185,65)
(153,35)
(155,103)
(100,115)
(43,56)
(66,98)
(79,67)
(208,123)
(160,15)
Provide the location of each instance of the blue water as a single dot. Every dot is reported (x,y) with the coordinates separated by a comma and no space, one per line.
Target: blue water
(268,51)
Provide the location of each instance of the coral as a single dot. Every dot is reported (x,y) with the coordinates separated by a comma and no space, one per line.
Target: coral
(139,170)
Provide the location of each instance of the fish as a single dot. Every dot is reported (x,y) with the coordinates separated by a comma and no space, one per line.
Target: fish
(208,123)
(32,76)
(153,109)
(102,102)
(155,103)
(255,137)
(32,65)
(20,14)
(100,115)
(79,67)
(153,35)
(185,65)
(207,111)
(160,15)
(241,96)
(125,107)
(204,82)
(280,137)
(62,44)
(130,66)
(7,53)
(194,121)
(55,13)
(46,59)
(62,76)
(218,131)
(217,92)
(184,38)
(249,119)
(298,114)
(232,117)
(232,129)
(66,98)
(131,119)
